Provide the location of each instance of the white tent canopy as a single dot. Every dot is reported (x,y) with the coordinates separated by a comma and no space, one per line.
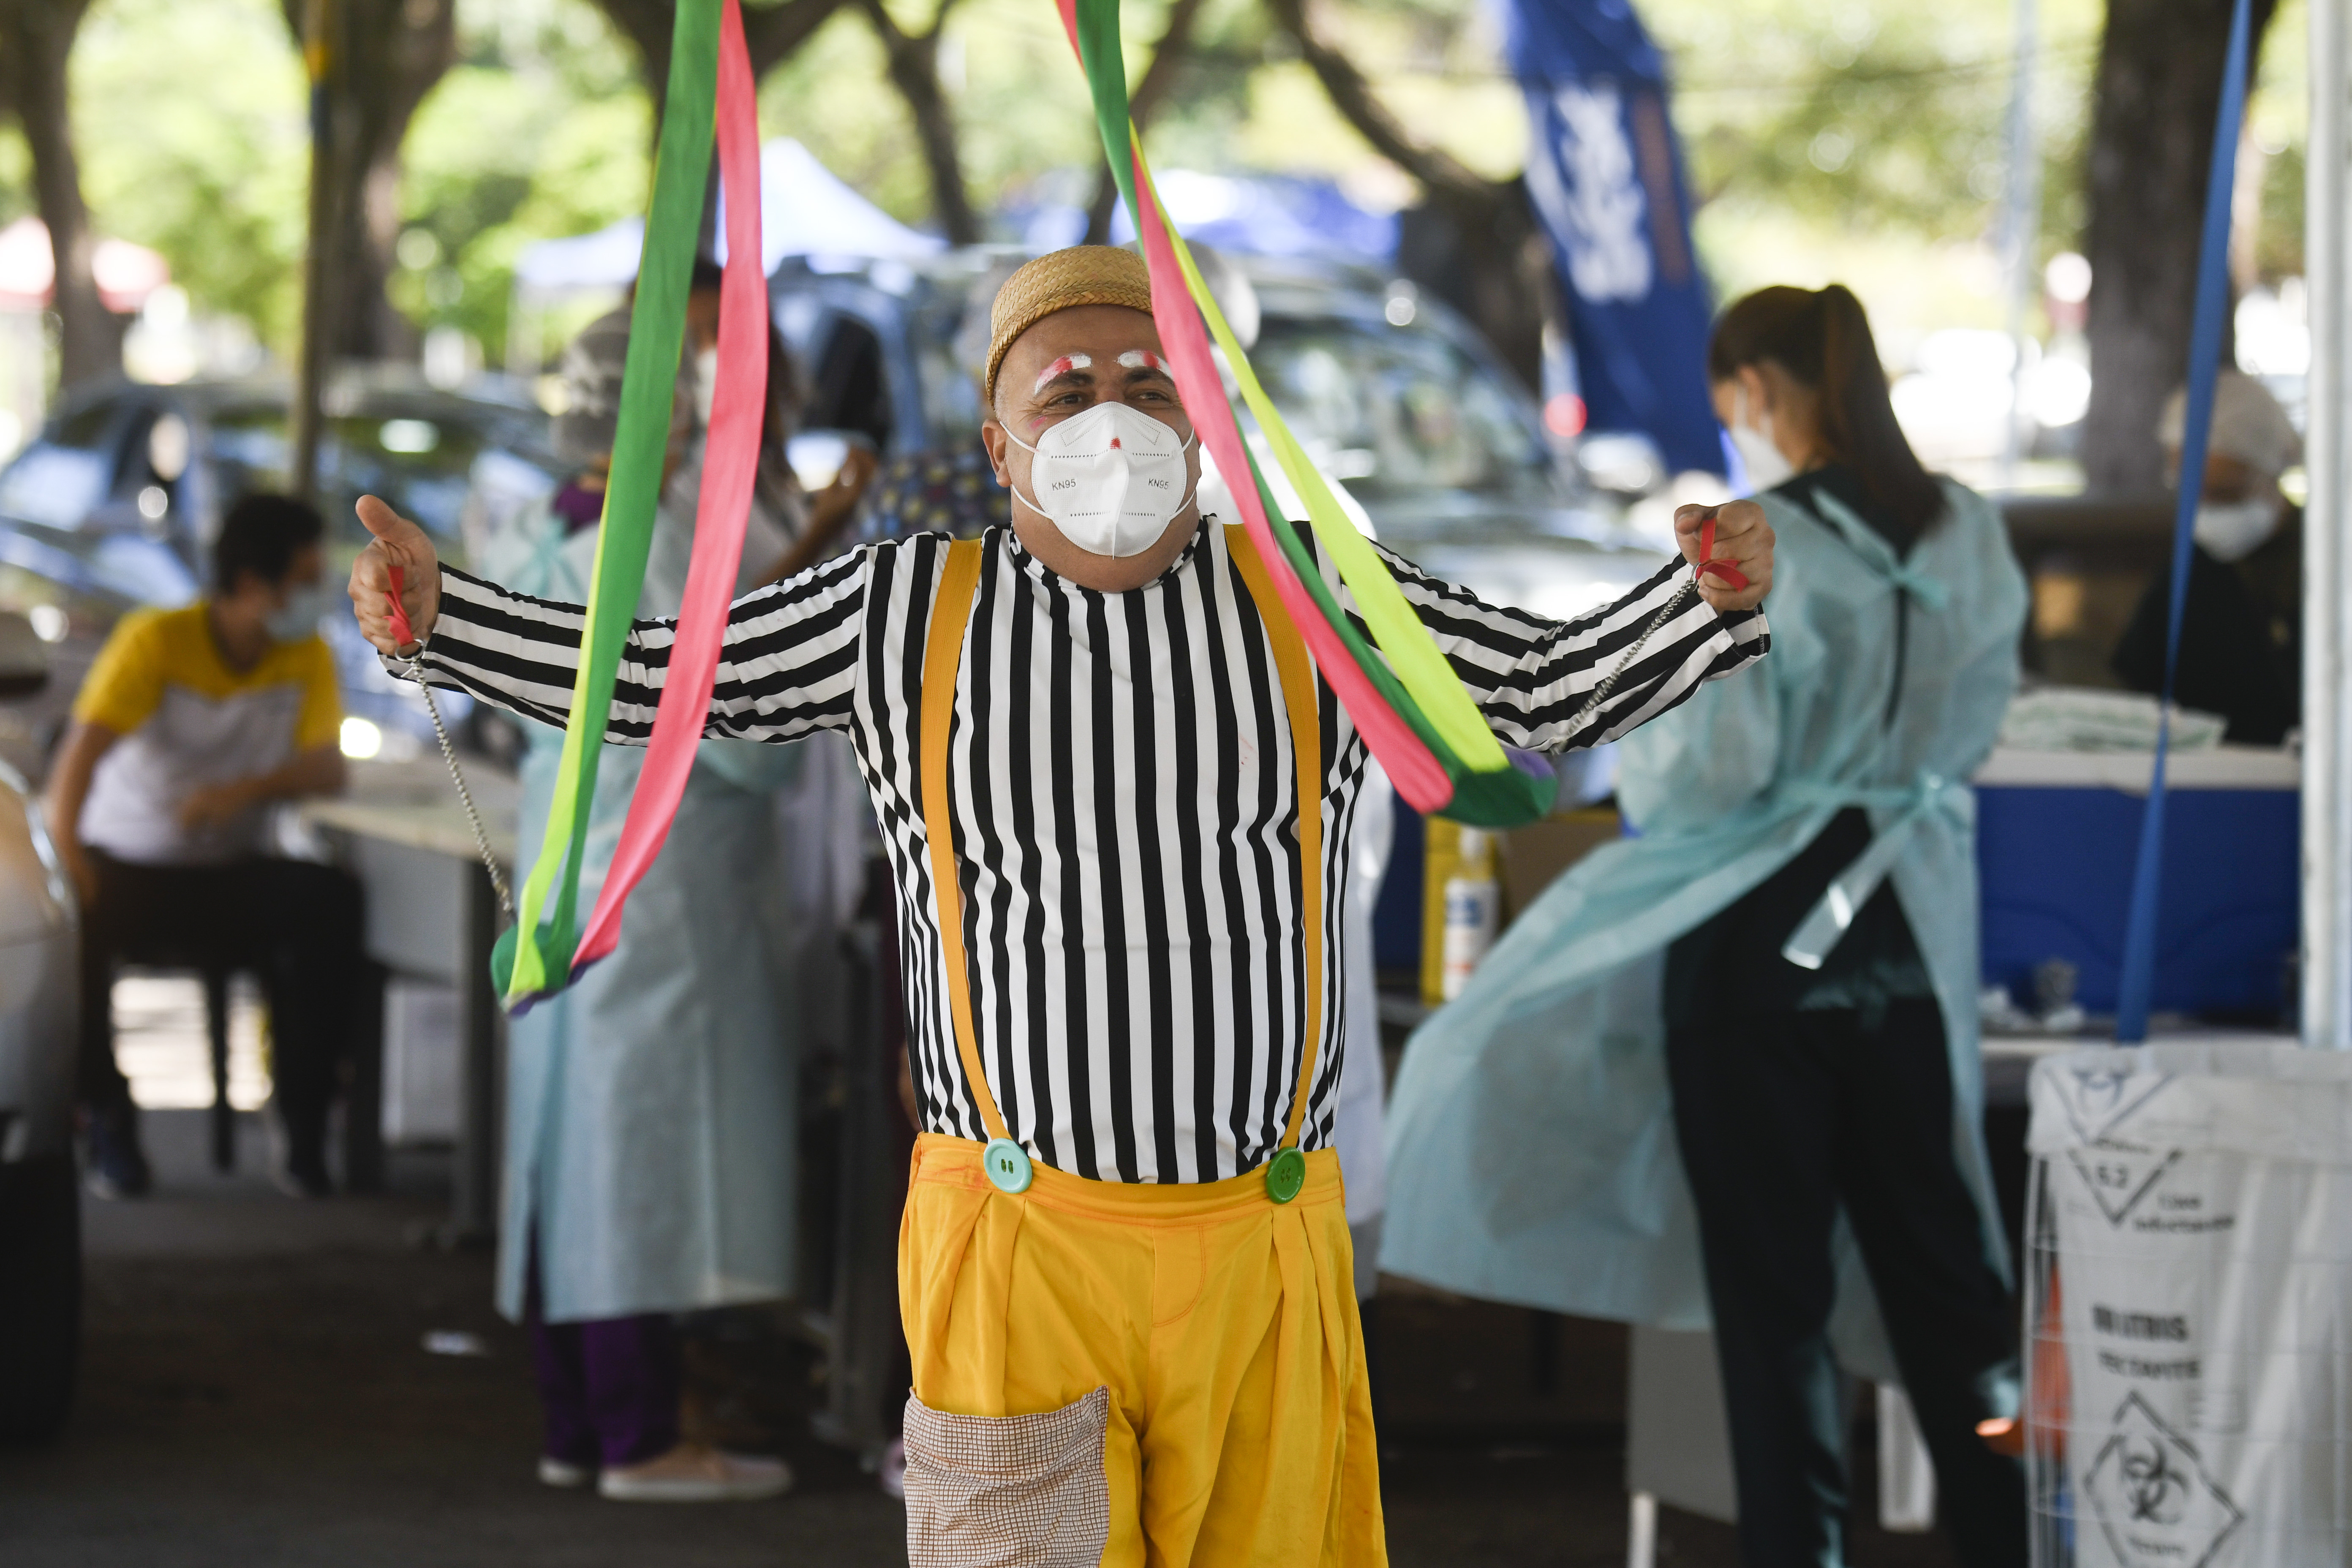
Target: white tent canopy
(804,210)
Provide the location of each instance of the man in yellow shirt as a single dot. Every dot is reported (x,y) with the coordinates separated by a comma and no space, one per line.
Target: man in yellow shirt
(192,723)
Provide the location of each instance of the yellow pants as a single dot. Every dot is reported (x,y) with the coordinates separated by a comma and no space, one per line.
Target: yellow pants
(1238,1427)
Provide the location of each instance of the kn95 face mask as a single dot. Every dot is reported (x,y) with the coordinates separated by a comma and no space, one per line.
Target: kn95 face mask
(1110,478)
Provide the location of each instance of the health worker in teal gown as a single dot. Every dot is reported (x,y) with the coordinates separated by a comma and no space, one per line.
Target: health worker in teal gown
(651,1157)
(1724,1074)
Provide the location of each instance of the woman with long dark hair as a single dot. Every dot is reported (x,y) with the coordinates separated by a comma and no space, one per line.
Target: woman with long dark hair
(1728,1072)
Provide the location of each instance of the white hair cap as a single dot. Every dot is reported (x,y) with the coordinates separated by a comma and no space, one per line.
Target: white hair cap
(2248,424)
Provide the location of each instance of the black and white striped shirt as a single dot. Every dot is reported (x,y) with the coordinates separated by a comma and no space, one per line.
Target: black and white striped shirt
(1125,805)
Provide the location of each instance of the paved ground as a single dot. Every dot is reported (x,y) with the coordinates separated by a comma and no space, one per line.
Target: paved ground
(256,1392)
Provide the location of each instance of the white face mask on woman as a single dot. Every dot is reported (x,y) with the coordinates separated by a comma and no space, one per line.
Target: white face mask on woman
(1110,478)
(1766,466)
(2231,531)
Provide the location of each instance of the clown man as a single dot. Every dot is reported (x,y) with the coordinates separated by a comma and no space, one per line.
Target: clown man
(1117,799)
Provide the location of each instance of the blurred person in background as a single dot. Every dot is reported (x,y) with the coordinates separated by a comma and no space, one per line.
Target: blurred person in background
(953,489)
(789,529)
(190,725)
(1779,979)
(649,1152)
(2241,628)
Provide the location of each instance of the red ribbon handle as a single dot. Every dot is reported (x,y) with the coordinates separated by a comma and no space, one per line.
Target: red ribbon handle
(403,636)
(1723,568)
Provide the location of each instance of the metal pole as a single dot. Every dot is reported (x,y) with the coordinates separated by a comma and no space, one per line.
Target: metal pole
(2021,223)
(320,46)
(2327,1000)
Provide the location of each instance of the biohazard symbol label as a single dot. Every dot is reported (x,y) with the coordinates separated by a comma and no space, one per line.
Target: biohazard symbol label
(2119,1175)
(2157,1506)
(2099,1099)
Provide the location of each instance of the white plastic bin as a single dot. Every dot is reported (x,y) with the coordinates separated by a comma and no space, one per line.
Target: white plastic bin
(2189,1308)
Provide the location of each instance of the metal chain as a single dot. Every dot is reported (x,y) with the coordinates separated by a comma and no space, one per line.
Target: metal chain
(458,777)
(1609,682)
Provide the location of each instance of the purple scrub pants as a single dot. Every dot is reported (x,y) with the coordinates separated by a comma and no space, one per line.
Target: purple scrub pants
(608,1387)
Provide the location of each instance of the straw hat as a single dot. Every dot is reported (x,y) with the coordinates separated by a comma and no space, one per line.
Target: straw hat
(1062,280)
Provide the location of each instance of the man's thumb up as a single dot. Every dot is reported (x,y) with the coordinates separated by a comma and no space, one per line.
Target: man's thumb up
(398,546)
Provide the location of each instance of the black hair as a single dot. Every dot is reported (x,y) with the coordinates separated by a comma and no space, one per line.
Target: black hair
(708,274)
(262,534)
(1821,338)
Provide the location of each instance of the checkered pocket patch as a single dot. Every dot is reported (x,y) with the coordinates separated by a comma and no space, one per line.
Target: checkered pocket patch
(1008,1492)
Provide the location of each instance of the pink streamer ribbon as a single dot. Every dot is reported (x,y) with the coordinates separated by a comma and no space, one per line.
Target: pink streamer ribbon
(1418,775)
(730,463)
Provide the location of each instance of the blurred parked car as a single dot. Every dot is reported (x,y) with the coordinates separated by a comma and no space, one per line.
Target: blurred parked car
(40,1199)
(1437,446)
(114,506)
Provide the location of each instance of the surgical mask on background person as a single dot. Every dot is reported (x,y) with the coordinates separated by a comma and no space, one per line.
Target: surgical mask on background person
(1765,465)
(300,615)
(2231,531)
(1110,478)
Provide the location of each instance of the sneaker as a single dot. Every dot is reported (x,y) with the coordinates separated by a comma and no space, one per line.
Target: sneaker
(118,1166)
(555,1472)
(692,1473)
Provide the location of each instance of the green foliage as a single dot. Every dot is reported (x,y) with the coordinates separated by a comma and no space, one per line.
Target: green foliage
(833,97)
(15,174)
(1876,117)
(192,129)
(1847,126)
(2278,125)
(540,132)
(1020,104)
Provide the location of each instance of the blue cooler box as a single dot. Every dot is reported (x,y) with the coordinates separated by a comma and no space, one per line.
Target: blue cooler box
(2057,834)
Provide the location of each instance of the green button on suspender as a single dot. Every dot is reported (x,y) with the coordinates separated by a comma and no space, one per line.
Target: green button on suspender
(1285,1176)
(1007,1164)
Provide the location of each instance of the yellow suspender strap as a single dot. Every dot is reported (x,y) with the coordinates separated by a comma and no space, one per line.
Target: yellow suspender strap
(1297,679)
(943,653)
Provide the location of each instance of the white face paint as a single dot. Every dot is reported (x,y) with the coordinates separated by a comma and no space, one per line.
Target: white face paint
(1061,367)
(1142,358)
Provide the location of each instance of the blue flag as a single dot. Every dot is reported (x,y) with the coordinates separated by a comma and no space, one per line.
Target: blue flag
(1606,178)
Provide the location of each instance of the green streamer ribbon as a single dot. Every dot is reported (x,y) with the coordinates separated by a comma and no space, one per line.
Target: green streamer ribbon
(529,970)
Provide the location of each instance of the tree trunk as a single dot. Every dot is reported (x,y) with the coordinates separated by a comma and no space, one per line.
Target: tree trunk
(1166,57)
(914,66)
(2159,86)
(403,48)
(36,37)
(1487,260)
(393,53)
(1472,242)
